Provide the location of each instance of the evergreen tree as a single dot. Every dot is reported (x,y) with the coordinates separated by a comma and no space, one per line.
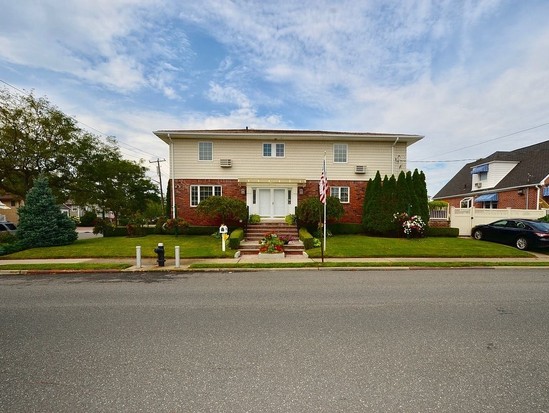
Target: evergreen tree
(420,188)
(403,198)
(41,222)
(373,205)
(414,202)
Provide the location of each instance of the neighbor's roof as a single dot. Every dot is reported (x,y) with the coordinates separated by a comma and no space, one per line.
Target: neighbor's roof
(532,168)
(259,134)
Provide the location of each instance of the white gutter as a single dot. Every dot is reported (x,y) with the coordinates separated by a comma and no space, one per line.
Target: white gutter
(393,156)
(172,176)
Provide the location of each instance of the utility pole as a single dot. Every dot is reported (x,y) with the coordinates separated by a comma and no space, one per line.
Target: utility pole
(157,161)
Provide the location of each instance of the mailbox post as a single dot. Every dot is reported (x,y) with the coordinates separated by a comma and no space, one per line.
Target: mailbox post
(223,230)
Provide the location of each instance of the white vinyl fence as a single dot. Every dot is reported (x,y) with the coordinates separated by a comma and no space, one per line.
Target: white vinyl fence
(466,218)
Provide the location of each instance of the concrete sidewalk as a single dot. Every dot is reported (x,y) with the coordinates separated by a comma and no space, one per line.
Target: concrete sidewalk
(150,264)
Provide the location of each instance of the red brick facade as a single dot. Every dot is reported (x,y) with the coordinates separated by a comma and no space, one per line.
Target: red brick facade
(231,188)
(353,209)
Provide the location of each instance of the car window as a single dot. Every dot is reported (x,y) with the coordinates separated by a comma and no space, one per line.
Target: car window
(521,225)
(501,223)
(542,226)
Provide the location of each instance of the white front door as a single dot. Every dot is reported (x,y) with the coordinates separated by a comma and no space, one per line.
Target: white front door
(272,202)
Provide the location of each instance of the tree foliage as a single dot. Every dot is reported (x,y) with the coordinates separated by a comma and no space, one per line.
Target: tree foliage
(223,208)
(310,211)
(41,222)
(37,139)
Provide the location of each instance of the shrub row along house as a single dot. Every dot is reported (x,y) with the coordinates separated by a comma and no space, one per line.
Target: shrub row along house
(274,170)
(517,179)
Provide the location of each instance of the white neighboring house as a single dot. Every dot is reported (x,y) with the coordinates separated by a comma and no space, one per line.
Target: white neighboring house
(274,170)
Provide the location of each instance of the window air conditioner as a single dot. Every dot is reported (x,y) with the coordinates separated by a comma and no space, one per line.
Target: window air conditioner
(360,169)
(226,163)
(478,184)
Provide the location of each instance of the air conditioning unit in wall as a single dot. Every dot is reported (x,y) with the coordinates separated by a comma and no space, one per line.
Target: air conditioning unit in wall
(360,169)
(226,163)
(478,184)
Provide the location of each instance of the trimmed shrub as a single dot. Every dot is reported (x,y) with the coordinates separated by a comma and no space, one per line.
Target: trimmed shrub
(306,237)
(201,230)
(345,228)
(234,239)
(255,219)
(442,232)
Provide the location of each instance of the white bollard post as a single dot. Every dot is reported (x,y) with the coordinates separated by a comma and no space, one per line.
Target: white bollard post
(177,261)
(138,256)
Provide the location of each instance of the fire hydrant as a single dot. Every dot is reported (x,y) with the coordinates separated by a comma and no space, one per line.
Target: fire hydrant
(160,252)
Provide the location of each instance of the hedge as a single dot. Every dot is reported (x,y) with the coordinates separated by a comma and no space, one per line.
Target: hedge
(306,237)
(234,239)
(345,228)
(442,232)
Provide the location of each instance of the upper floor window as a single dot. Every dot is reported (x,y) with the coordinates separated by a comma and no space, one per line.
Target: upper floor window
(201,192)
(205,151)
(340,192)
(340,152)
(274,150)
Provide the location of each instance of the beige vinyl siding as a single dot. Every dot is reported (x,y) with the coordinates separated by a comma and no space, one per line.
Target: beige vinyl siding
(302,160)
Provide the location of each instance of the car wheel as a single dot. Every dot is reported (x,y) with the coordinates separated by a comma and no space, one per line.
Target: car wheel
(477,234)
(521,243)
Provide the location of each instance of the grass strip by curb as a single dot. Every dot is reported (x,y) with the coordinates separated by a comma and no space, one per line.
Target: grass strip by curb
(449,264)
(65,266)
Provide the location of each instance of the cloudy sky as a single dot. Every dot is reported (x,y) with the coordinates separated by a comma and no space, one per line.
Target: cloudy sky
(471,76)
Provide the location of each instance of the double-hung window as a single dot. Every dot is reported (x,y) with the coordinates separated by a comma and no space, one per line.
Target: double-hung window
(341,193)
(274,150)
(201,192)
(340,153)
(205,151)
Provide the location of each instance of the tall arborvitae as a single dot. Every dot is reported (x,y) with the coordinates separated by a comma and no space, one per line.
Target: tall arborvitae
(420,189)
(414,202)
(371,203)
(403,198)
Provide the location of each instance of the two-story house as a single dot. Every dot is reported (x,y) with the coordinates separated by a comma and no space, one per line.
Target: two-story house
(273,170)
(517,179)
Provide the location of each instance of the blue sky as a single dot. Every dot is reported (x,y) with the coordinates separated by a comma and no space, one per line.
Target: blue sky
(465,74)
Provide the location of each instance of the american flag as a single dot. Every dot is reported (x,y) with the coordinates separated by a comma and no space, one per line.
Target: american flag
(323,184)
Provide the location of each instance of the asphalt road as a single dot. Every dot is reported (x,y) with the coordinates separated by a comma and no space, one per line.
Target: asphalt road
(303,341)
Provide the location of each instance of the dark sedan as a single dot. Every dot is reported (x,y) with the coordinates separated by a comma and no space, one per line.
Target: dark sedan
(522,233)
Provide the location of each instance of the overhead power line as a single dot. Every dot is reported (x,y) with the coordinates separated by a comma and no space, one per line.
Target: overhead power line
(125,145)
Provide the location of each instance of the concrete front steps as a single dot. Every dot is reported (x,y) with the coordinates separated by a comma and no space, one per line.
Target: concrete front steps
(256,232)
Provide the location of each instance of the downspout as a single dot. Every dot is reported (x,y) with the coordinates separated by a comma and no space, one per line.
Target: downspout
(538,193)
(172,176)
(393,156)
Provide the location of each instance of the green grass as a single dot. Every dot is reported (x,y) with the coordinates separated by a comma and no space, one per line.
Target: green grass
(191,246)
(65,267)
(360,246)
(346,264)
(342,246)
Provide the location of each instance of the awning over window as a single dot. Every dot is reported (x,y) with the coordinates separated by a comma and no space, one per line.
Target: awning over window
(479,169)
(546,191)
(487,198)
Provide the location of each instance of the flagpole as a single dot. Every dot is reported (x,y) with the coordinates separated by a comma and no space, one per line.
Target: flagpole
(325,202)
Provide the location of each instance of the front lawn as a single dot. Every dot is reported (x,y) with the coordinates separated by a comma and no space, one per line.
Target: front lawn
(191,246)
(361,246)
(340,246)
